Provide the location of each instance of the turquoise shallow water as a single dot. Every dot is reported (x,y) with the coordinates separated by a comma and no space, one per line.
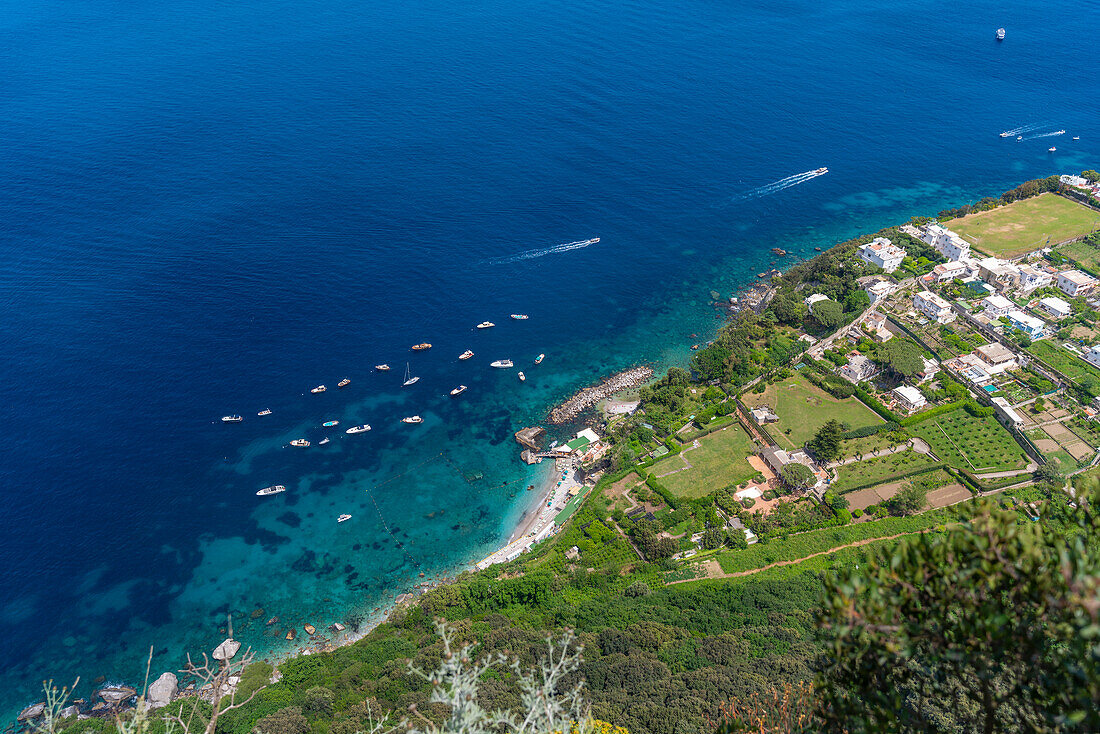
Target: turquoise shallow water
(211,209)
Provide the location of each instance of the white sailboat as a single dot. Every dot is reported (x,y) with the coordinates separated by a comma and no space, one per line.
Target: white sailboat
(409,379)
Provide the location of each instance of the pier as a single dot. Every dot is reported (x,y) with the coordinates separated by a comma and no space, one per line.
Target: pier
(589,396)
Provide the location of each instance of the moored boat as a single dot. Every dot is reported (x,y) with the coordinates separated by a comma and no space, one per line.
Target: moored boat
(343,383)
(466,355)
(1051,149)
(501,364)
(265,411)
(318,389)
(409,379)
(519,316)
(486,325)
(412,419)
(522,377)
(273,489)
(330,424)
(300,442)
(231,419)
(323,441)
(343,518)
(458,390)
(538,359)
(1076,137)
(1000,34)
(421,346)
(382,367)
(358,429)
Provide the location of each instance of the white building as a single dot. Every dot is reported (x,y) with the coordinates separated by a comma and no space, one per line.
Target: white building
(1026,323)
(1006,412)
(1032,278)
(999,273)
(934,307)
(997,306)
(858,369)
(878,290)
(1075,283)
(1093,356)
(815,298)
(996,358)
(882,253)
(930,369)
(909,397)
(946,242)
(1071,180)
(1056,307)
(950,271)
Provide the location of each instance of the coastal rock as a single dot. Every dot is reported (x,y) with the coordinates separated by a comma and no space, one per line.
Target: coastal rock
(117,694)
(162,691)
(589,396)
(227,649)
(68,712)
(31,712)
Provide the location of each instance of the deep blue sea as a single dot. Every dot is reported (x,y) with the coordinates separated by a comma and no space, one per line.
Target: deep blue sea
(210,208)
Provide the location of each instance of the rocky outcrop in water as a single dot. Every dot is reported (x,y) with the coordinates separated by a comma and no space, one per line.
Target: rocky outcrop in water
(589,396)
(162,691)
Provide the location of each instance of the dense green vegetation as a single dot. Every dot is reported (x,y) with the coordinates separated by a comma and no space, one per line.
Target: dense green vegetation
(977,443)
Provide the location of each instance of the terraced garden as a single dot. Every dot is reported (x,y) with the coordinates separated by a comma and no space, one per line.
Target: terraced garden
(969,442)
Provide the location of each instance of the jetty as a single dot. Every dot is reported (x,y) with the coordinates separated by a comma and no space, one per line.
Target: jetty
(589,396)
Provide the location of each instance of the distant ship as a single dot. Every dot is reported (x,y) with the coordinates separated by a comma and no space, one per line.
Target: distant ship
(273,489)
(458,390)
(421,346)
(358,429)
(1006,134)
(412,419)
(501,364)
(522,377)
(1051,149)
(1000,34)
(343,518)
(519,316)
(301,442)
(382,367)
(343,383)
(265,411)
(409,379)
(538,359)
(486,325)
(318,389)
(330,424)
(323,441)
(466,355)
(823,169)
(1076,137)
(231,419)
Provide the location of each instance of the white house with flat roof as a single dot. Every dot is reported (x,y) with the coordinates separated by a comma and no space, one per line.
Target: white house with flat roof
(934,307)
(1026,323)
(878,290)
(1093,356)
(882,253)
(997,306)
(858,369)
(909,397)
(951,270)
(1075,283)
(946,242)
(1032,278)
(1055,307)
(1005,411)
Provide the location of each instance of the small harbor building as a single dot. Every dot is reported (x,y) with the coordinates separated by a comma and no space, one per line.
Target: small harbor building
(882,253)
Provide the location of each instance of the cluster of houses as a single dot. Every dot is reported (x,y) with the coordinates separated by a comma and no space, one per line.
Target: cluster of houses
(1088,188)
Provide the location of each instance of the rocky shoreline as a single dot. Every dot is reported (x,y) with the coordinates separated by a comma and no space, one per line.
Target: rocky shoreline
(589,396)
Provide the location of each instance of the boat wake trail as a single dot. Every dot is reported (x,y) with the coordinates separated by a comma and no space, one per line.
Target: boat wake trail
(783,183)
(1045,135)
(532,254)
(1023,129)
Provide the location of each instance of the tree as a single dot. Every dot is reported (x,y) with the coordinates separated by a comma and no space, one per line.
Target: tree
(900,356)
(856,301)
(1049,473)
(735,538)
(989,626)
(712,539)
(828,313)
(1090,175)
(797,476)
(284,721)
(788,309)
(825,445)
(910,500)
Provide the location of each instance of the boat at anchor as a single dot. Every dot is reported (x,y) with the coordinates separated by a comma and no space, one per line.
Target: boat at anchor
(421,347)
(330,424)
(458,390)
(231,419)
(412,419)
(409,379)
(273,489)
(501,364)
(343,383)
(343,518)
(520,316)
(358,429)
(300,442)
(382,367)
(486,325)
(265,411)
(466,355)
(318,389)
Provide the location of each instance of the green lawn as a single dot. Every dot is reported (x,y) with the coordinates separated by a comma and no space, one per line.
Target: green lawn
(880,470)
(718,462)
(977,444)
(1025,225)
(803,408)
(1073,367)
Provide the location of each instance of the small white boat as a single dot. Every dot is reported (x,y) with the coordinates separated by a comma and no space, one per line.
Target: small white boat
(273,489)
(1006,134)
(382,367)
(319,388)
(1076,137)
(1000,34)
(343,383)
(1059,132)
(538,359)
(421,346)
(265,411)
(231,419)
(501,364)
(343,518)
(409,379)
(522,377)
(1019,138)
(466,355)
(323,441)
(1051,149)
(412,419)
(330,424)
(819,171)
(519,316)
(458,390)
(594,240)
(301,442)
(358,429)
(486,325)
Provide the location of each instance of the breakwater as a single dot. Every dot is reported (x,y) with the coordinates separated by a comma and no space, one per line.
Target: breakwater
(589,396)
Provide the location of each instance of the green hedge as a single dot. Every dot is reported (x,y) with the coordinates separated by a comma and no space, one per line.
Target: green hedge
(668,497)
(871,402)
(864,431)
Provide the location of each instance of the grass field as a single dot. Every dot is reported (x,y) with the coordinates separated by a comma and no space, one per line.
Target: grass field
(882,469)
(1025,225)
(1069,364)
(718,462)
(803,408)
(977,444)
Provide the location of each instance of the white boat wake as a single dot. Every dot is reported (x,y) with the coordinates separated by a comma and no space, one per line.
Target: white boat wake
(532,254)
(1045,135)
(1023,129)
(783,183)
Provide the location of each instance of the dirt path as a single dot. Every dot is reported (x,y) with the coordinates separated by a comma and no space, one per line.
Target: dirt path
(714,570)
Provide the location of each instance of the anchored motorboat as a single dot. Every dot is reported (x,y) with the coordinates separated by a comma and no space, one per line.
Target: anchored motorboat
(323,441)
(343,518)
(466,355)
(421,347)
(319,388)
(1076,137)
(343,383)
(458,390)
(486,325)
(412,419)
(522,377)
(1000,34)
(1051,149)
(330,424)
(358,429)
(382,367)
(231,419)
(273,489)
(1019,138)
(299,442)
(409,379)
(501,364)
(265,411)
(538,359)
(519,316)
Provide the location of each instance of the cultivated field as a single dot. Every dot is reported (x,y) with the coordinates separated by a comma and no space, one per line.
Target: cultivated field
(718,462)
(879,470)
(1026,225)
(977,444)
(1082,252)
(1069,364)
(803,408)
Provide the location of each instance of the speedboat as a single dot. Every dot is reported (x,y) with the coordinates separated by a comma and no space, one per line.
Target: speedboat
(823,169)
(343,518)
(319,388)
(382,367)
(486,325)
(265,411)
(421,347)
(1059,132)
(299,442)
(343,383)
(1051,149)
(1006,134)
(466,355)
(1019,138)
(1000,34)
(231,419)
(519,316)
(538,359)
(409,379)
(330,424)
(458,390)
(412,419)
(501,364)
(1076,137)
(594,240)
(323,441)
(522,377)
(358,429)
(273,489)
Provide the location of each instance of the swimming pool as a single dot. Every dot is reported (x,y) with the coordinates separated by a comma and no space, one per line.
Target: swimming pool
(990,388)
